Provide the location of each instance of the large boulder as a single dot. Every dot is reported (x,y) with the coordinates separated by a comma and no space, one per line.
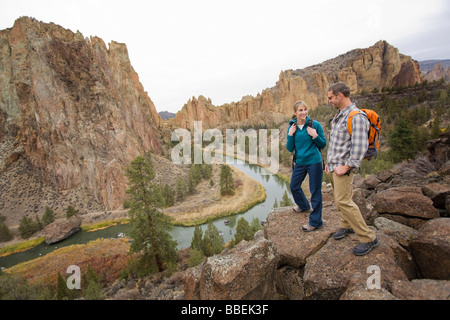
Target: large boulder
(330,270)
(431,249)
(284,230)
(62,229)
(421,289)
(406,201)
(246,272)
(357,289)
(438,193)
(399,232)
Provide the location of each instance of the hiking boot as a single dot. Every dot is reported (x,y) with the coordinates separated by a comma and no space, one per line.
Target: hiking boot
(309,228)
(342,232)
(364,248)
(298,210)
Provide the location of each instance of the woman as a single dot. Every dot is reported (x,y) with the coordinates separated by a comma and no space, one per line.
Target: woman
(307,138)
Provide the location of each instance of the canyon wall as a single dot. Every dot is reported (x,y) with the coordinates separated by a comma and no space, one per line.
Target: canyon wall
(74,108)
(380,65)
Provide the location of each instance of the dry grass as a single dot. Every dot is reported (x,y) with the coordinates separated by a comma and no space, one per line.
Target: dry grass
(106,256)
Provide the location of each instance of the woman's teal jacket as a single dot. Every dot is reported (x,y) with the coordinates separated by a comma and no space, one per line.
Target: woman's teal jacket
(308,149)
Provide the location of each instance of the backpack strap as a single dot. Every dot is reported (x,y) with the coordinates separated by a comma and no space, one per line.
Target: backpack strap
(350,118)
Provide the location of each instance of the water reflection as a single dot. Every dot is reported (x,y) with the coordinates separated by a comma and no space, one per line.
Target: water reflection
(274,186)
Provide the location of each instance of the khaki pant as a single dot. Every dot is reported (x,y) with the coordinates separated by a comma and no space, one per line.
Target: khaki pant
(350,214)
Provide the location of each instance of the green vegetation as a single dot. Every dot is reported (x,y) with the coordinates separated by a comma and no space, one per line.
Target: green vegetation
(151,234)
(227,185)
(212,242)
(5,233)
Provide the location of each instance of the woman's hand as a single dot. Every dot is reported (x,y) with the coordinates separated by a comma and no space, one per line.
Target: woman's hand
(312,132)
(292,129)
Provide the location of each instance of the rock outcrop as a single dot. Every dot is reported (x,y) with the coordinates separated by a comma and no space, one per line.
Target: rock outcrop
(437,73)
(412,261)
(73,108)
(62,229)
(362,69)
(245,272)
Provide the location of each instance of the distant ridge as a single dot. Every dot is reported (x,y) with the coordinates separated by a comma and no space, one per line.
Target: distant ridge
(165,115)
(427,65)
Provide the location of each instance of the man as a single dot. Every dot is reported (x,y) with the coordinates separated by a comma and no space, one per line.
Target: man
(345,153)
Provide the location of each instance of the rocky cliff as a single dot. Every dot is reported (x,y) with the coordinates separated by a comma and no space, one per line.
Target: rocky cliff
(362,69)
(72,110)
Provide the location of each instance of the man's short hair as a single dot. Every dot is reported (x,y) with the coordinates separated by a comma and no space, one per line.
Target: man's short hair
(340,87)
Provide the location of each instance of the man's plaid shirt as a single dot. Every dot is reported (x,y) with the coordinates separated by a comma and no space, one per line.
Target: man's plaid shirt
(346,149)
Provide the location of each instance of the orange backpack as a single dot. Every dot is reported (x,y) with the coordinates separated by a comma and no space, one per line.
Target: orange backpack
(373,134)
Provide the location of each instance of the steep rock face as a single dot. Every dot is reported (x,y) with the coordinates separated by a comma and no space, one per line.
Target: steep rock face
(362,69)
(76,108)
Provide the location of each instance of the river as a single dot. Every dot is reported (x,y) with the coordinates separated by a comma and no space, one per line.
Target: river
(273,184)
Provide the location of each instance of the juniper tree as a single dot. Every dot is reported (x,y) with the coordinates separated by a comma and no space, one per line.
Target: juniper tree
(71,211)
(212,242)
(243,231)
(402,142)
(196,242)
(181,189)
(151,233)
(27,227)
(5,233)
(226,181)
(48,217)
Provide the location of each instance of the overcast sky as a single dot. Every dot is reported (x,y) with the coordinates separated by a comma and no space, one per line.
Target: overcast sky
(227,49)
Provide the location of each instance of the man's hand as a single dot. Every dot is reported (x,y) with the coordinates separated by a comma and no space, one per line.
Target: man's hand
(342,170)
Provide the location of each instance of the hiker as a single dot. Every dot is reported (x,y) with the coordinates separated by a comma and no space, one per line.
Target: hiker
(345,153)
(305,138)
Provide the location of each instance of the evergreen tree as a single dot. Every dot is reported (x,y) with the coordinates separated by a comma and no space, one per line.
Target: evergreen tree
(71,212)
(181,189)
(27,227)
(196,257)
(48,217)
(196,242)
(243,231)
(206,171)
(37,222)
(62,292)
(196,172)
(255,225)
(435,129)
(191,184)
(402,142)
(169,195)
(151,234)
(213,242)
(5,233)
(227,186)
(93,285)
